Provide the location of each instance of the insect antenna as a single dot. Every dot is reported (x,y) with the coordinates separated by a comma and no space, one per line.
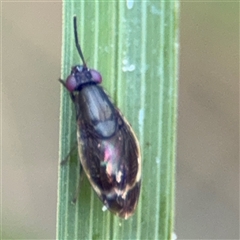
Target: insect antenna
(76,41)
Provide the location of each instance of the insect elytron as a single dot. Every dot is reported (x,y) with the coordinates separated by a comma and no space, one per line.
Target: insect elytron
(108,148)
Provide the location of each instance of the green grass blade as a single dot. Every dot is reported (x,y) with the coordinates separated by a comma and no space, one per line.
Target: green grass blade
(134,44)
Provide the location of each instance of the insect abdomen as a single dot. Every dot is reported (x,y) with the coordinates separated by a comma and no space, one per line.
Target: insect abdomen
(109,151)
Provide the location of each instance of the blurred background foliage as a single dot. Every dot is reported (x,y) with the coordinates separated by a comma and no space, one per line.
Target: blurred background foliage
(207,199)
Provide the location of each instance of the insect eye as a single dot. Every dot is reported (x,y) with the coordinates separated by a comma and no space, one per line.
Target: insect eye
(71,83)
(96,76)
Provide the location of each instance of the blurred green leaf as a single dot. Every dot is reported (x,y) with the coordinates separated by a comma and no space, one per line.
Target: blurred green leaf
(134,44)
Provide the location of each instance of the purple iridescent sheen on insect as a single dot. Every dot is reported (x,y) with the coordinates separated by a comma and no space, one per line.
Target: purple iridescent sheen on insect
(108,148)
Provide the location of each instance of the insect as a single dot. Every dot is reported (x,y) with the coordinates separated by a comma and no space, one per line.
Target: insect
(108,148)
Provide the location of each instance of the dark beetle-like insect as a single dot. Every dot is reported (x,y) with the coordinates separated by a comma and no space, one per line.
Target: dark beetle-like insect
(108,148)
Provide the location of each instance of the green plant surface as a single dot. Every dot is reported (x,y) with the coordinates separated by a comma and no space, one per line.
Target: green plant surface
(134,44)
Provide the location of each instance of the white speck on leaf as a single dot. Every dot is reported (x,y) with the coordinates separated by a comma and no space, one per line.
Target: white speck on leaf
(104,208)
(157,160)
(129,4)
(127,67)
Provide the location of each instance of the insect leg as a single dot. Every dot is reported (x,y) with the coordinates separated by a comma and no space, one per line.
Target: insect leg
(79,184)
(65,160)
